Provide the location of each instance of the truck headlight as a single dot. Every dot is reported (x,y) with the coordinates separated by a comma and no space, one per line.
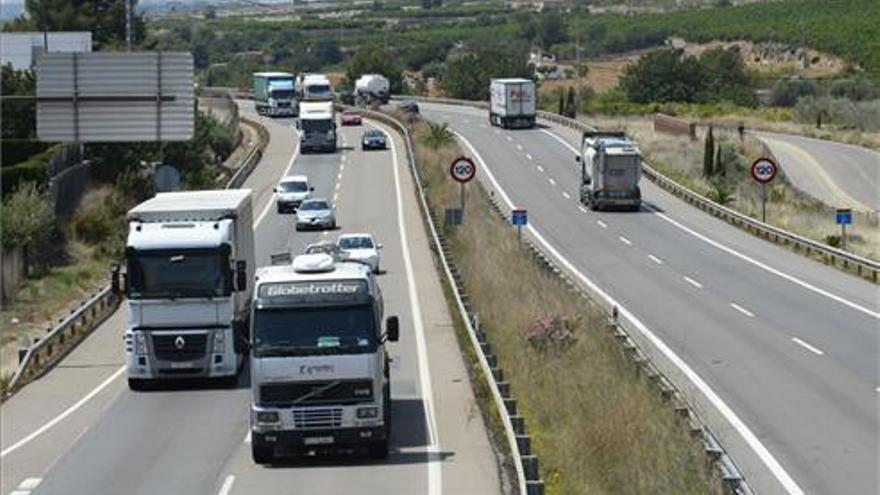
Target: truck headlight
(219,340)
(369,412)
(140,343)
(267,417)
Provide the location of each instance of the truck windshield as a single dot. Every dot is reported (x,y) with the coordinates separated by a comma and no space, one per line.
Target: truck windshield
(315,330)
(293,187)
(178,273)
(317,125)
(317,91)
(282,94)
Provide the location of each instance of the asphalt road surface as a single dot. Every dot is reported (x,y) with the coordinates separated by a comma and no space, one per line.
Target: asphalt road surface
(789,345)
(79,430)
(840,175)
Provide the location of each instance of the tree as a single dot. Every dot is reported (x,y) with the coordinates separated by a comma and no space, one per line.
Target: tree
(570,109)
(663,76)
(544,29)
(373,60)
(467,73)
(19,83)
(725,77)
(709,154)
(27,219)
(787,91)
(104,18)
(562,103)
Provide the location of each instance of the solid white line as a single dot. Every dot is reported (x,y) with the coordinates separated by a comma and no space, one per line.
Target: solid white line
(29,483)
(566,195)
(247,438)
(814,350)
(286,172)
(582,209)
(227,485)
(655,259)
(742,310)
(540,169)
(693,282)
(602,224)
(435,478)
(20,492)
(625,240)
(744,431)
(529,156)
(742,256)
(57,419)
(552,182)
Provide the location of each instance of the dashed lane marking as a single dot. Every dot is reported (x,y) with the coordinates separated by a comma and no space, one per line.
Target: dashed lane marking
(813,349)
(693,282)
(742,310)
(625,240)
(655,259)
(602,224)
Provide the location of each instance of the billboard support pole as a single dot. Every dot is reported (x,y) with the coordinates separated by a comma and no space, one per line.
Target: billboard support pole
(75,97)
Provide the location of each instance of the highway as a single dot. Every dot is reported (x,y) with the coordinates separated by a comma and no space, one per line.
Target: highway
(79,430)
(840,175)
(791,346)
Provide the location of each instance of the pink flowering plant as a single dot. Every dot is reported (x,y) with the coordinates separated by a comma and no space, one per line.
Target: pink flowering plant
(553,334)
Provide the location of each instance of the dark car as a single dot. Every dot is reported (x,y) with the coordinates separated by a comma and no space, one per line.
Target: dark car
(374,139)
(409,106)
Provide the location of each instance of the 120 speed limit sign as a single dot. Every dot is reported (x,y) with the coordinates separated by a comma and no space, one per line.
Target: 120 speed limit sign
(463,169)
(764,169)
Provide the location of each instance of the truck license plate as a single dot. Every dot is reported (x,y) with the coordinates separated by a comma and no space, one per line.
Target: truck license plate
(318,440)
(181,365)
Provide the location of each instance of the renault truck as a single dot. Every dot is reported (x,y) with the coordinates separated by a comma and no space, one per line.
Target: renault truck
(512,103)
(610,169)
(189,259)
(320,374)
(273,94)
(317,126)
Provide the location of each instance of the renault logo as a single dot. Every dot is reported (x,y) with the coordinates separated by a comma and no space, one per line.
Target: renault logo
(179,342)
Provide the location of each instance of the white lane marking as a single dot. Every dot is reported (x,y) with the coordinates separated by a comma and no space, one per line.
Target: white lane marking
(435,477)
(744,431)
(519,147)
(744,257)
(20,492)
(566,195)
(509,138)
(582,209)
(552,182)
(655,259)
(342,159)
(877,389)
(286,172)
(742,310)
(338,185)
(29,483)
(336,196)
(602,224)
(529,156)
(247,438)
(625,240)
(57,419)
(227,485)
(813,349)
(693,282)
(339,175)
(540,169)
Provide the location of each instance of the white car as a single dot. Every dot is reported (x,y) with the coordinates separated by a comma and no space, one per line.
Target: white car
(291,191)
(361,247)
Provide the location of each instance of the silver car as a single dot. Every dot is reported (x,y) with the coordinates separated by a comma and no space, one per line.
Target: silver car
(316,213)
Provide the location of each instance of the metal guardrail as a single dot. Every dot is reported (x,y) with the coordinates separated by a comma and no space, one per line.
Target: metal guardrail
(864,267)
(519,444)
(250,160)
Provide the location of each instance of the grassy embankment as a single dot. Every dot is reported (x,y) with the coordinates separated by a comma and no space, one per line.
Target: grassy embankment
(598,425)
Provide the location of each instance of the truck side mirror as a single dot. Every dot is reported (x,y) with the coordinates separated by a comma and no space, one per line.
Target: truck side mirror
(115,279)
(577,158)
(241,275)
(392,329)
(311,188)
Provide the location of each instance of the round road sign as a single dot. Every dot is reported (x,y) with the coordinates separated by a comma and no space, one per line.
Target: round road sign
(764,169)
(463,169)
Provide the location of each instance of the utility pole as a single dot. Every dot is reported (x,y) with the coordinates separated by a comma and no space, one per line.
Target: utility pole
(45,27)
(128,25)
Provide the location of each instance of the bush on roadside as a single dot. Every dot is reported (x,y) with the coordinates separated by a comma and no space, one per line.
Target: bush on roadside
(27,219)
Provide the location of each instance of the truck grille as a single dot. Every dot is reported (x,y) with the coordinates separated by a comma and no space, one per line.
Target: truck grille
(324,392)
(167,347)
(325,417)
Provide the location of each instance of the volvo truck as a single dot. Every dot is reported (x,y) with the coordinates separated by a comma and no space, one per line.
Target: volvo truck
(320,376)
(610,170)
(273,94)
(512,103)
(189,258)
(317,125)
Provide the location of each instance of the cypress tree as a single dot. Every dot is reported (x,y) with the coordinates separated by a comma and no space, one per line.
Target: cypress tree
(561,103)
(709,154)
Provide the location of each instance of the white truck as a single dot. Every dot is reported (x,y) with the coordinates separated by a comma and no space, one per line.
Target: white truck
(274,95)
(320,374)
(610,169)
(512,103)
(317,125)
(371,88)
(314,87)
(189,258)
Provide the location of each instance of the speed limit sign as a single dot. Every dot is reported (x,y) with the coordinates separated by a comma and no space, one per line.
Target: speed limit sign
(463,169)
(764,169)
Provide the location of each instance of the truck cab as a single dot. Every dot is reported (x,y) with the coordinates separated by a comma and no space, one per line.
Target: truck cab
(317,125)
(319,365)
(610,170)
(274,94)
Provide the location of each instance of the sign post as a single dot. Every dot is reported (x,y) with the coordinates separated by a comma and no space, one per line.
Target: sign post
(764,170)
(519,218)
(844,218)
(463,170)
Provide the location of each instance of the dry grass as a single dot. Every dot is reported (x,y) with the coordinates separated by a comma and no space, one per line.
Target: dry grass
(597,425)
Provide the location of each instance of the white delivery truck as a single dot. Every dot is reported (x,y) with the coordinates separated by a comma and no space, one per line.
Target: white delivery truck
(512,103)
(273,94)
(611,167)
(189,257)
(320,375)
(371,88)
(317,125)
(314,87)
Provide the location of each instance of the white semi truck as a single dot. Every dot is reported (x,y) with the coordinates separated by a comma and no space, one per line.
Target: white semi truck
(320,375)
(189,258)
(610,169)
(317,125)
(512,103)
(274,94)
(371,88)
(314,87)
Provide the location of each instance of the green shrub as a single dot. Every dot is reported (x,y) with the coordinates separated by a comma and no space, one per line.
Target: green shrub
(32,170)
(27,219)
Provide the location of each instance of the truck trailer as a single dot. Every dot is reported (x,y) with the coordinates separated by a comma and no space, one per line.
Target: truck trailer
(512,103)
(317,125)
(370,88)
(274,94)
(610,170)
(189,259)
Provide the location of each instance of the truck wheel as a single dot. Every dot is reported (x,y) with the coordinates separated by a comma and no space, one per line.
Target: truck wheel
(137,384)
(261,453)
(378,450)
(280,209)
(592,203)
